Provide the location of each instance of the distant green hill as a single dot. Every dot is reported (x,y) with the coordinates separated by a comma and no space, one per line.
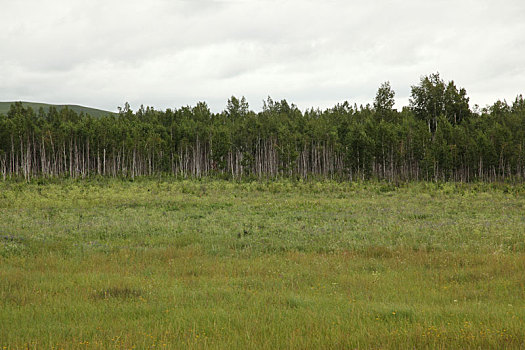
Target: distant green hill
(4,108)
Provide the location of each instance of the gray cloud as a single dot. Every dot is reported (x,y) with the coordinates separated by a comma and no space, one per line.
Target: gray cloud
(313,53)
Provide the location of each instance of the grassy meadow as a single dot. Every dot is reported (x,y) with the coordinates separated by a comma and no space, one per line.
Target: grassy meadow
(267,265)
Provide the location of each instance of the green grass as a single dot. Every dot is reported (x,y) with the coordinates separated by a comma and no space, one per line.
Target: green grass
(96,113)
(216,264)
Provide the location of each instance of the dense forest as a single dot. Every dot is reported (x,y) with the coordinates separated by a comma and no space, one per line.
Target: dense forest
(437,137)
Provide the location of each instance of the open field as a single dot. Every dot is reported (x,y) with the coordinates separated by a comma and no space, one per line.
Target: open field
(215,264)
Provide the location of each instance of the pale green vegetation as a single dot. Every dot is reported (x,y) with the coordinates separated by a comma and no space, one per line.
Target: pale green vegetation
(94,112)
(216,264)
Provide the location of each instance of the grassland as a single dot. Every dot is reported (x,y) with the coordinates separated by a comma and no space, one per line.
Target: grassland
(94,112)
(214,264)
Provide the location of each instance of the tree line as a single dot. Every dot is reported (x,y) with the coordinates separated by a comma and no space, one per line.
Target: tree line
(437,137)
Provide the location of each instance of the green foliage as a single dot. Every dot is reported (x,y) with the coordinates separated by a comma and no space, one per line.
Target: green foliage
(384,100)
(438,138)
(96,113)
(433,98)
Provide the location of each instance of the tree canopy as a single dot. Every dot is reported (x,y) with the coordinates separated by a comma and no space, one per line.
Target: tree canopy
(433,98)
(437,137)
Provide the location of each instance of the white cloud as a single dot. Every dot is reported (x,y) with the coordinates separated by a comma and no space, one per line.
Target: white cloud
(313,53)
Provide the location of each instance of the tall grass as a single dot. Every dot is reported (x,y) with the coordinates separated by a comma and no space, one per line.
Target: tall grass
(216,264)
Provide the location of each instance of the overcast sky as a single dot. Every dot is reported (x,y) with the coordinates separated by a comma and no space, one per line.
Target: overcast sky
(313,53)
